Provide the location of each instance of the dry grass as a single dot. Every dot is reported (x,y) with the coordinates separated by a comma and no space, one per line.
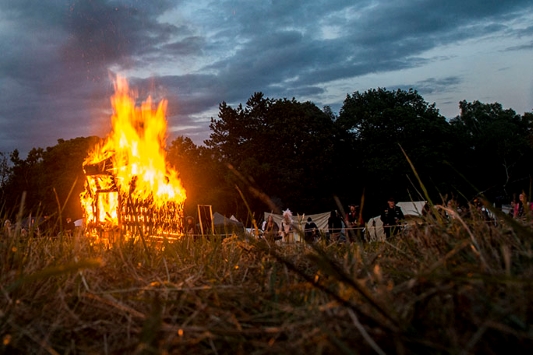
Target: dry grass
(443,288)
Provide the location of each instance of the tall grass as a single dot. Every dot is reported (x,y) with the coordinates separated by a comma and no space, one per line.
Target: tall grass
(458,286)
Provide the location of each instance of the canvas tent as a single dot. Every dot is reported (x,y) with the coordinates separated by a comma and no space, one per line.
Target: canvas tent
(224,225)
(411,210)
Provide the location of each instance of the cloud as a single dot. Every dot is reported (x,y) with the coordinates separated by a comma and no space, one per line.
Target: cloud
(433,85)
(57,55)
(527,46)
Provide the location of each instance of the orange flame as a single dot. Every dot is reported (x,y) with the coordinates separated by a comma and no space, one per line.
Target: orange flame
(136,150)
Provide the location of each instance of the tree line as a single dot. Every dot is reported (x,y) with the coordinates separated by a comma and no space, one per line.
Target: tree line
(272,154)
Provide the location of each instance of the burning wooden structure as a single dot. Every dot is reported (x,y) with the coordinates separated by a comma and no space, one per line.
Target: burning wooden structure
(129,185)
(113,209)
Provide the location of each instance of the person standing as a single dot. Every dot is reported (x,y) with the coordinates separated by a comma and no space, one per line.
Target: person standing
(286,226)
(511,210)
(271,229)
(354,221)
(334,226)
(391,217)
(352,217)
(522,207)
(190,226)
(69,227)
(310,230)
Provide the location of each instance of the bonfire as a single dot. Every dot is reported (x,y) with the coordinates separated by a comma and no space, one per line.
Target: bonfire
(129,186)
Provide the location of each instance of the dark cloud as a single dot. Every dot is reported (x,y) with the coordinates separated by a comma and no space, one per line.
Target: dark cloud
(527,46)
(187,46)
(443,82)
(303,91)
(433,85)
(56,66)
(58,56)
(386,37)
(103,33)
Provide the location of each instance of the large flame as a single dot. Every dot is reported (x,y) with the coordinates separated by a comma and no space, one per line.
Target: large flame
(135,154)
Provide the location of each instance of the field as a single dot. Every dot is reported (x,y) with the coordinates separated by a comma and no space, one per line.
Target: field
(447,287)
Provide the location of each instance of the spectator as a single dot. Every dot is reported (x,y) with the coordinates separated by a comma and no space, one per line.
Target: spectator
(310,231)
(453,210)
(482,212)
(69,227)
(271,229)
(354,220)
(511,210)
(391,217)
(334,226)
(190,226)
(522,207)
(286,226)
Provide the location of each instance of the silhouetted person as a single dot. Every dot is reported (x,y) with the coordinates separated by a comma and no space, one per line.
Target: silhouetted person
(271,229)
(190,226)
(391,217)
(522,207)
(69,227)
(354,221)
(310,230)
(334,226)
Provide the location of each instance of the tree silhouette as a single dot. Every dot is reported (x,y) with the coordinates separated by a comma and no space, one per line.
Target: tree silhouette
(379,122)
(282,148)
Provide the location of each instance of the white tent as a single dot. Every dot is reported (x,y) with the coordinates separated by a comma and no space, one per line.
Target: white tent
(412,208)
(374,227)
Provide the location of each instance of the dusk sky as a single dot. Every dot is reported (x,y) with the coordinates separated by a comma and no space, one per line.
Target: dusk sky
(57,58)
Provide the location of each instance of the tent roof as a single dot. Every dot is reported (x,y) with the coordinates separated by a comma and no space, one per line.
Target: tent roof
(219,219)
(412,208)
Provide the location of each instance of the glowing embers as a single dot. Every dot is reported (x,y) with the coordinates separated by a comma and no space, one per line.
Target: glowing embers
(129,183)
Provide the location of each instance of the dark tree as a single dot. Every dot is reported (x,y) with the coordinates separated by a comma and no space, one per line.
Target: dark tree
(494,147)
(282,148)
(52,178)
(25,176)
(5,172)
(379,122)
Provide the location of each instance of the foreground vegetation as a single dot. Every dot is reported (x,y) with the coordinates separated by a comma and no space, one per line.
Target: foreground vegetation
(445,287)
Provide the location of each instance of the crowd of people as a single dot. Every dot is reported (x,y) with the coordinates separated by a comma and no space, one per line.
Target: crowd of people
(351,226)
(519,209)
(347,228)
